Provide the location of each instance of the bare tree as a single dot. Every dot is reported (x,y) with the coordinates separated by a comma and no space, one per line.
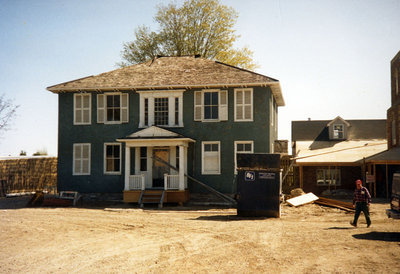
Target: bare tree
(7,113)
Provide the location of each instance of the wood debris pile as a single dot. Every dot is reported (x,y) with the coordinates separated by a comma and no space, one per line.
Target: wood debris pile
(28,174)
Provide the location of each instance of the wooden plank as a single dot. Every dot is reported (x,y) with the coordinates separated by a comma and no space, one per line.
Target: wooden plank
(302,199)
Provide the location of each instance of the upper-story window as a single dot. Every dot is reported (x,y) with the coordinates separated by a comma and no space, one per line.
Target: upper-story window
(113,108)
(161,111)
(338,131)
(161,108)
(211,105)
(243,104)
(82,109)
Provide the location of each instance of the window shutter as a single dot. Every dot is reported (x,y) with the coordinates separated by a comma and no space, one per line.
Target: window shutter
(124,108)
(78,109)
(223,106)
(248,105)
(198,106)
(100,108)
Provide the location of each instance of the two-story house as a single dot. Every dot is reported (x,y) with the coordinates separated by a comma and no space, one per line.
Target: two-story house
(146,126)
(330,154)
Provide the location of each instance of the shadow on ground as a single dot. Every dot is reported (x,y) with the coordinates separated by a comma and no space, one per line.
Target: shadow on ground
(228,218)
(379,236)
(340,228)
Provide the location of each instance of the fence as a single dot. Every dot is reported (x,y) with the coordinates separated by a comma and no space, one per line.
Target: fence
(25,174)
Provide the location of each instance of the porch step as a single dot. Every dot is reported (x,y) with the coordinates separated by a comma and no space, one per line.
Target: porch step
(152,197)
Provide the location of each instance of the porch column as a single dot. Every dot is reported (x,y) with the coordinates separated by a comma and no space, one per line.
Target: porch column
(127,165)
(182,160)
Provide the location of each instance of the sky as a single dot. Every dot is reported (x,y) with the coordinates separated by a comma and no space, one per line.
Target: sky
(332,58)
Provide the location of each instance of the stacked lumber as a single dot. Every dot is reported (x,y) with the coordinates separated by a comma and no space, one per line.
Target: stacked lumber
(25,174)
(335,203)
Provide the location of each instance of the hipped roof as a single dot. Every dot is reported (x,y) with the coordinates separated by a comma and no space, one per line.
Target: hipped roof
(172,73)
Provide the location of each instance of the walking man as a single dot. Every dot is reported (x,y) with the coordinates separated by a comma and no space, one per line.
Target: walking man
(361,202)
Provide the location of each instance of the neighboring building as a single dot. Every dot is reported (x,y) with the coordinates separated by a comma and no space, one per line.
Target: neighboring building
(121,131)
(331,154)
(385,164)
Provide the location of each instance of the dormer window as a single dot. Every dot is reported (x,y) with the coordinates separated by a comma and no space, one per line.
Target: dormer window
(338,131)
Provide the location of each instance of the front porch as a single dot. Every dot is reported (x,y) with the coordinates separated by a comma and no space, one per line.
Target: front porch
(172,192)
(156,160)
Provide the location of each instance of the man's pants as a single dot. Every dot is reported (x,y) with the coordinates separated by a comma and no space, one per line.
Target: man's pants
(362,206)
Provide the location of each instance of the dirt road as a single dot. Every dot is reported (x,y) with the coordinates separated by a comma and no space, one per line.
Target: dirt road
(308,239)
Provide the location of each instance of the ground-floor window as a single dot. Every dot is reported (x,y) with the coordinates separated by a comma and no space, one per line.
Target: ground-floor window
(328,176)
(81,159)
(211,157)
(143,159)
(242,147)
(112,158)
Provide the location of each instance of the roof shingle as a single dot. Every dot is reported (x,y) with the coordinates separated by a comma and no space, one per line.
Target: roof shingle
(169,73)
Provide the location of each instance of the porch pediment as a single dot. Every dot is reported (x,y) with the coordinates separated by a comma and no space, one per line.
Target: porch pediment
(155,135)
(154,132)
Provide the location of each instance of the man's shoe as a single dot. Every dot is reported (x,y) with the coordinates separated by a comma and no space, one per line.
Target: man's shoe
(368,225)
(353,224)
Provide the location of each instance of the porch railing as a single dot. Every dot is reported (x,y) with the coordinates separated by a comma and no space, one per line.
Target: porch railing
(136,182)
(171,181)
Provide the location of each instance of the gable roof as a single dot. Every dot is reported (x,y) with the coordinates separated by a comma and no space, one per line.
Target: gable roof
(338,119)
(317,130)
(154,132)
(172,73)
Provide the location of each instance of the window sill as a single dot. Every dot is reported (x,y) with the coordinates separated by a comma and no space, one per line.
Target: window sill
(162,126)
(210,173)
(112,173)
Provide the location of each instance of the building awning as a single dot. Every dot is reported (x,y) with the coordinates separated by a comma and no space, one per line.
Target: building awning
(391,156)
(155,136)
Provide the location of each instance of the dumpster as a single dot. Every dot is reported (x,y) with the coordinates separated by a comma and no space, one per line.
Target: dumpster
(259,185)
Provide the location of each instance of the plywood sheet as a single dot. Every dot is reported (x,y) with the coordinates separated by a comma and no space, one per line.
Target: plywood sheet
(302,199)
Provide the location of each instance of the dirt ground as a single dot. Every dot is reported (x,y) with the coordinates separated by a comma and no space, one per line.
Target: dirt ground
(121,239)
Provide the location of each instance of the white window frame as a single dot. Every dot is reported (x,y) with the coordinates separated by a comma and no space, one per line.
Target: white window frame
(204,156)
(172,95)
(105,159)
(198,111)
(243,105)
(81,159)
(102,108)
(333,132)
(327,179)
(80,96)
(236,152)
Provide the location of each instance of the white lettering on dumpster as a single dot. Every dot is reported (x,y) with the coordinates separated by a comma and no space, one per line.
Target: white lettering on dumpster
(266,175)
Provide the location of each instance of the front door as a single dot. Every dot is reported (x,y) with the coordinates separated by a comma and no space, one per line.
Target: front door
(159,169)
